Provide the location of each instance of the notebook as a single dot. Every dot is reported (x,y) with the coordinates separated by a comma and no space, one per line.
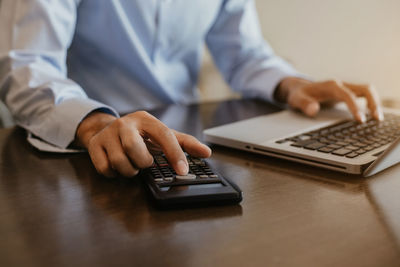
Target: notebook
(331,140)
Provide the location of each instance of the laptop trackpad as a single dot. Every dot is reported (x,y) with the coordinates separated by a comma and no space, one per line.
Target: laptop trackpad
(290,122)
(276,125)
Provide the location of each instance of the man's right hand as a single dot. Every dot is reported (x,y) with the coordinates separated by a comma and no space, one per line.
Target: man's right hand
(118,145)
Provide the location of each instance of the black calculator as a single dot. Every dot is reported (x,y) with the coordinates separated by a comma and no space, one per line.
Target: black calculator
(201,186)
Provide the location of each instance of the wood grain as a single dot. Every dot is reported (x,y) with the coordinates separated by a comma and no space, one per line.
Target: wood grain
(56,211)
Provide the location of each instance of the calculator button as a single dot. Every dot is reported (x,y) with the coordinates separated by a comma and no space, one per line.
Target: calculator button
(186,177)
(214,176)
(203,176)
(159,180)
(168,179)
(163,165)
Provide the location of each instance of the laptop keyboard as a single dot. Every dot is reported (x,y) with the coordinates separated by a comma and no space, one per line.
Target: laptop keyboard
(349,138)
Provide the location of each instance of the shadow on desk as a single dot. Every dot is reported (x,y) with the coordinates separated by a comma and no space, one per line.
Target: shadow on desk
(55,174)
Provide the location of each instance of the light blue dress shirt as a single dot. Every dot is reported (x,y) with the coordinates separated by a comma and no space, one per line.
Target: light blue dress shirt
(62,59)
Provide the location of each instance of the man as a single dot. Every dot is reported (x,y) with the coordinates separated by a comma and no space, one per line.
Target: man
(66,66)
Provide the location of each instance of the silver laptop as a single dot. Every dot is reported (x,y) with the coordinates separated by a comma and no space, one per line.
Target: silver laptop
(331,140)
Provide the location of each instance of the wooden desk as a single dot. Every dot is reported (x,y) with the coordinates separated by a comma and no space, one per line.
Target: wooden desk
(56,211)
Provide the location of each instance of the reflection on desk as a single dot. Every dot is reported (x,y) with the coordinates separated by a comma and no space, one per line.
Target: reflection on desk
(55,210)
(383,191)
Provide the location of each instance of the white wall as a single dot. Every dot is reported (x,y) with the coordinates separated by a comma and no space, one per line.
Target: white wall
(353,40)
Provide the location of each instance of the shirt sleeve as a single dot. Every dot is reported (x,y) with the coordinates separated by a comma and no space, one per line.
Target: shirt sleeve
(34,38)
(247,62)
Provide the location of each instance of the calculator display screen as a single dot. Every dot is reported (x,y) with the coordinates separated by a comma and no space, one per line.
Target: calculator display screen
(188,187)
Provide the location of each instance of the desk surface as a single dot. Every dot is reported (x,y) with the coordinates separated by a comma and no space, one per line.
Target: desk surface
(56,211)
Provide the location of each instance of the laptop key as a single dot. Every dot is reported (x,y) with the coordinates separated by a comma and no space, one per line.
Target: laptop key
(315,146)
(359,144)
(352,147)
(368,148)
(325,140)
(384,142)
(361,151)
(350,140)
(332,137)
(341,152)
(352,155)
(334,146)
(341,143)
(326,149)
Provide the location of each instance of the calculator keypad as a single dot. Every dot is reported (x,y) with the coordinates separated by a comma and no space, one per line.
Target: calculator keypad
(199,172)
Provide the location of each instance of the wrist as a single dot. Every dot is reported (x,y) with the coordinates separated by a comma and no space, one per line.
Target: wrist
(90,126)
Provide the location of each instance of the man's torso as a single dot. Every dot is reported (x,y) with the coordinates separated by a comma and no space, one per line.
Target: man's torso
(147,50)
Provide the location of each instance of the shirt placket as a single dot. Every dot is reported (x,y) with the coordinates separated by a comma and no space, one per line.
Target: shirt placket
(160,39)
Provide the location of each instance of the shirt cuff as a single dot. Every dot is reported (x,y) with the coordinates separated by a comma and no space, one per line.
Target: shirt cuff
(46,147)
(59,127)
(264,85)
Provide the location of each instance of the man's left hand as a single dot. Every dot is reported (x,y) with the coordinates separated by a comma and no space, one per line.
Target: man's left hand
(307,96)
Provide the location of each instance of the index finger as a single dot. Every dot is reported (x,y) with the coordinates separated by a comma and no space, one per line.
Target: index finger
(159,133)
(343,93)
(371,95)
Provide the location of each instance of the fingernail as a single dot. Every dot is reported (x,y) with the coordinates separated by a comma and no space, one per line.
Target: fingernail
(182,167)
(209,151)
(378,114)
(361,116)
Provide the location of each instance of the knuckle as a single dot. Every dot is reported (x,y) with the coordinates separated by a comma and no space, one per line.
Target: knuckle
(334,83)
(162,129)
(117,160)
(143,119)
(94,145)
(103,168)
(144,162)
(120,123)
(141,114)
(91,146)
(167,132)
(295,100)
(130,144)
(291,100)
(94,141)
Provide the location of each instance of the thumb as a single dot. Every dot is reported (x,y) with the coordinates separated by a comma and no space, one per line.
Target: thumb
(307,104)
